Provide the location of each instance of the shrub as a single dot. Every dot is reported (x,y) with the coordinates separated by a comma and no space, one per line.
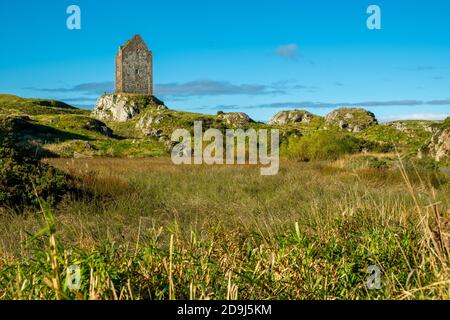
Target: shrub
(24,179)
(446,123)
(425,163)
(328,145)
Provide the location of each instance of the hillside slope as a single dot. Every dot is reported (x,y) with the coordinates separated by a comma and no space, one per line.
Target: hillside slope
(143,127)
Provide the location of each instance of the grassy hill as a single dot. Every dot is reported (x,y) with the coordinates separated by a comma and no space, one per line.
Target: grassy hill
(54,128)
(14,105)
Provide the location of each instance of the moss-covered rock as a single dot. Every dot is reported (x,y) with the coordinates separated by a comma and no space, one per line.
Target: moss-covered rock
(439,146)
(123,107)
(235,119)
(98,126)
(292,117)
(351,119)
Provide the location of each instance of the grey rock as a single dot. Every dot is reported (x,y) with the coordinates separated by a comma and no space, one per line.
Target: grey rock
(439,147)
(235,118)
(98,126)
(123,107)
(351,119)
(292,117)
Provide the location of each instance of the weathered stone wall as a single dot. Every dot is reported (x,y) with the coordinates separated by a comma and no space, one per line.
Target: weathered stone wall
(134,68)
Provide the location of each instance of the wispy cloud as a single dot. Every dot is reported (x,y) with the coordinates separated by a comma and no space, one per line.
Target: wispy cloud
(224,107)
(425,68)
(289,51)
(87,88)
(180,91)
(439,102)
(214,88)
(78,99)
(430,68)
(389,103)
(329,105)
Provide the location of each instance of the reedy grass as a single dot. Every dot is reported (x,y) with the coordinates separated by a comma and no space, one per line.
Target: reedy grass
(145,229)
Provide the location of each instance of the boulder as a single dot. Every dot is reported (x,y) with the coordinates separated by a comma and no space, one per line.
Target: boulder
(439,146)
(351,119)
(235,119)
(123,107)
(98,126)
(292,117)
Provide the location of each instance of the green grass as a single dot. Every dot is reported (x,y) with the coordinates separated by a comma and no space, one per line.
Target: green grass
(146,229)
(328,145)
(59,129)
(14,105)
(414,134)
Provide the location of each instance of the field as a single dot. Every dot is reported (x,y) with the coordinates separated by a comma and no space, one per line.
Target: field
(146,229)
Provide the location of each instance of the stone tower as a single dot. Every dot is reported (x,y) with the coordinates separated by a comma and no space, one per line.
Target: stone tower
(134,68)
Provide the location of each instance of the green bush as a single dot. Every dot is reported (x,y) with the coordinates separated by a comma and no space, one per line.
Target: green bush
(22,179)
(328,145)
(446,123)
(425,163)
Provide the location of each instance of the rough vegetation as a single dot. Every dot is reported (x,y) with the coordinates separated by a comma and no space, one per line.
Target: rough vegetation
(329,145)
(151,230)
(23,178)
(14,105)
(140,126)
(346,197)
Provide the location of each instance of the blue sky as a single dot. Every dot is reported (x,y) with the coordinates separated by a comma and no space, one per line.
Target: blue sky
(258,57)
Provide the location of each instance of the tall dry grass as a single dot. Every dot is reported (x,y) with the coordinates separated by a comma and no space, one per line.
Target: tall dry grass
(143,228)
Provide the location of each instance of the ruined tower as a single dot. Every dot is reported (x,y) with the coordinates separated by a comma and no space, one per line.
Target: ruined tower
(134,68)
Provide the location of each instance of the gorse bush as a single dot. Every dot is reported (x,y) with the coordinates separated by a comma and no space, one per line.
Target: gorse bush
(328,145)
(23,179)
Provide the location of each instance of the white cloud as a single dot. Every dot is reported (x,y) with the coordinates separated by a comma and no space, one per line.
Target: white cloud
(289,51)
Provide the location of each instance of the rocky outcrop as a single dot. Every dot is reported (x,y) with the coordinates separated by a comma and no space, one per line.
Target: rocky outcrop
(439,147)
(409,126)
(123,107)
(150,124)
(98,126)
(351,119)
(292,117)
(235,119)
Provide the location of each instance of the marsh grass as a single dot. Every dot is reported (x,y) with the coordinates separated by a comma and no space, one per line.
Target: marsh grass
(146,229)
